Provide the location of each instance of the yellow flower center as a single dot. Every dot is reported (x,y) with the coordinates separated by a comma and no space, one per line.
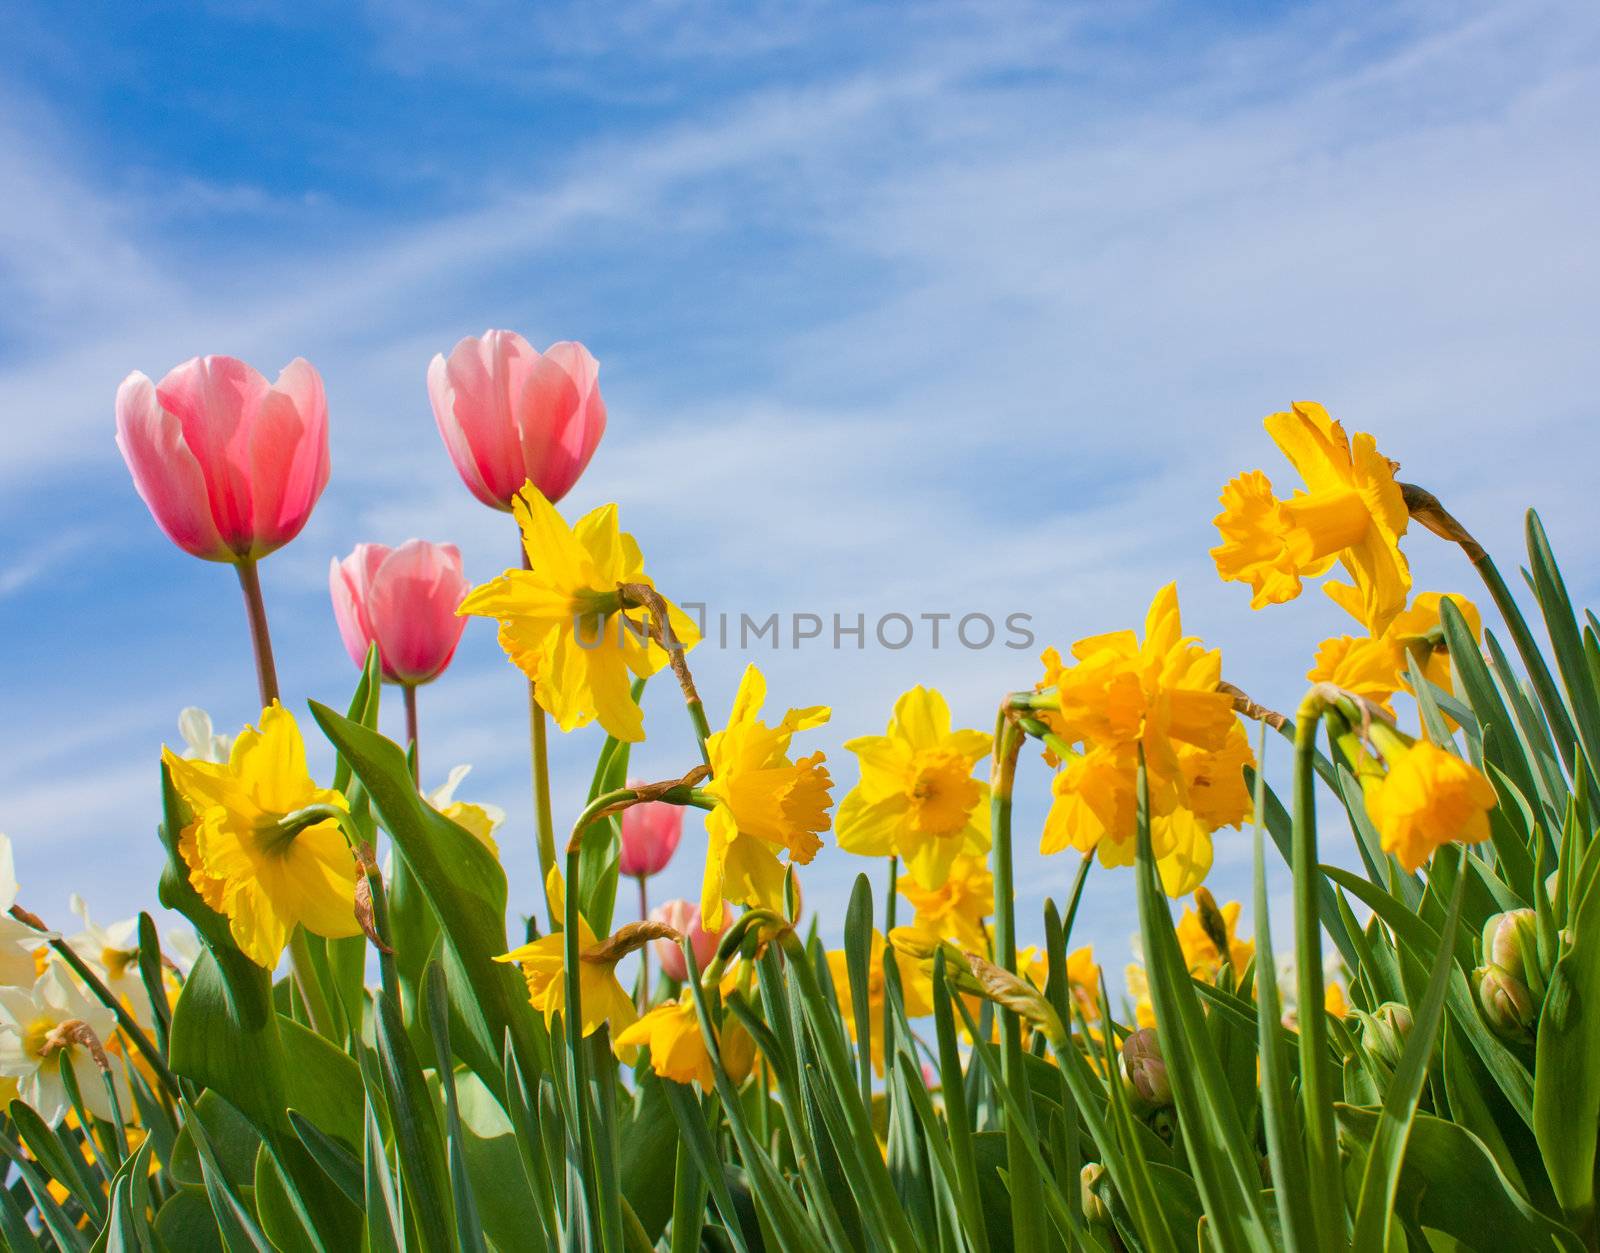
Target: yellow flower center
(40,1040)
(117,960)
(943,792)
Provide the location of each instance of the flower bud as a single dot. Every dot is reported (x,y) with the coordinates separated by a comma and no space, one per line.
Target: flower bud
(684,916)
(1144,1070)
(1506,1002)
(1511,941)
(1092,1184)
(1384,1033)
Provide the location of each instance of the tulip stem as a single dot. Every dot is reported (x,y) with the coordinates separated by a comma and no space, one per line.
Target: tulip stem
(410,690)
(644,953)
(260,639)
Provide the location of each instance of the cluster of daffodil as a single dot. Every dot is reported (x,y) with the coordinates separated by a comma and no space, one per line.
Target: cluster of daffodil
(931,1082)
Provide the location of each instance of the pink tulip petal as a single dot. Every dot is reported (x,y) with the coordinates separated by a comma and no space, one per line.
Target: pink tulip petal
(561,417)
(165,472)
(479,373)
(289,455)
(215,399)
(455,439)
(349,582)
(412,606)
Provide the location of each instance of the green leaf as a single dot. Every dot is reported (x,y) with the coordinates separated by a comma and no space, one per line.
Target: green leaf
(1566,1094)
(185,1222)
(858,962)
(61,1228)
(234,1219)
(1381,1180)
(418,1144)
(1556,606)
(1226,1168)
(469,1230)
(62,1158)
(336,1160)
(467,889)
(1449,1182)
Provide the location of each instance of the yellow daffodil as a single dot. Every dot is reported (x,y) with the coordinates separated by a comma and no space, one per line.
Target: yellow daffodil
(1351,511)
(916,986)
(267,876)
(1200,951)
(1333,1000)
(917,798)
(1160,695)
(764,803)
(678,1050)
(955,910)
(1083,980)
(543,965)
(1362,666)
(1138,985)
(1375,668)
(562,623)
(1427,797)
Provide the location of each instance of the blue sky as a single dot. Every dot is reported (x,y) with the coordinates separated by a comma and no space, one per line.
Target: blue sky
(934,308)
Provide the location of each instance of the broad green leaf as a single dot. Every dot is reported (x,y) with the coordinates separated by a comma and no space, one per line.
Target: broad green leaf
(467,889)
(1449,1182)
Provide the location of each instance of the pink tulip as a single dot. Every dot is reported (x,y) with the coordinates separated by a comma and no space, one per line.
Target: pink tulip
(684,917)
(509,414)
(229,465)
(404,601)
(650,835)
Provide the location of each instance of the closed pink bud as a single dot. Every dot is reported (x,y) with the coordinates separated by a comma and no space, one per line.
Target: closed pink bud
(650,835)
(404,601)
(229,464)
(509,414)
(684,917)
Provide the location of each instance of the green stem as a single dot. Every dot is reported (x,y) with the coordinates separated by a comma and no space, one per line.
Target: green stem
(644,953)
(894,890)
(541,798)
(307,983)
(410,690)
(572,1024)
(688,1202)
(1027,1201)
(1326,1189)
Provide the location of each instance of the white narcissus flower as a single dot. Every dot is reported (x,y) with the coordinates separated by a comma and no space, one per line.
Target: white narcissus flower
(200,743)
(18,941)
(113,953)
(37,1026)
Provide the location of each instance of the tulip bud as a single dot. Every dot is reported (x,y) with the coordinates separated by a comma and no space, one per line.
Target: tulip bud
(684,917)
(1384,1033)
(1092,1184)
(404,601)
(1506,1002)
(650,835)
(1511,941)
(1144,1070)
